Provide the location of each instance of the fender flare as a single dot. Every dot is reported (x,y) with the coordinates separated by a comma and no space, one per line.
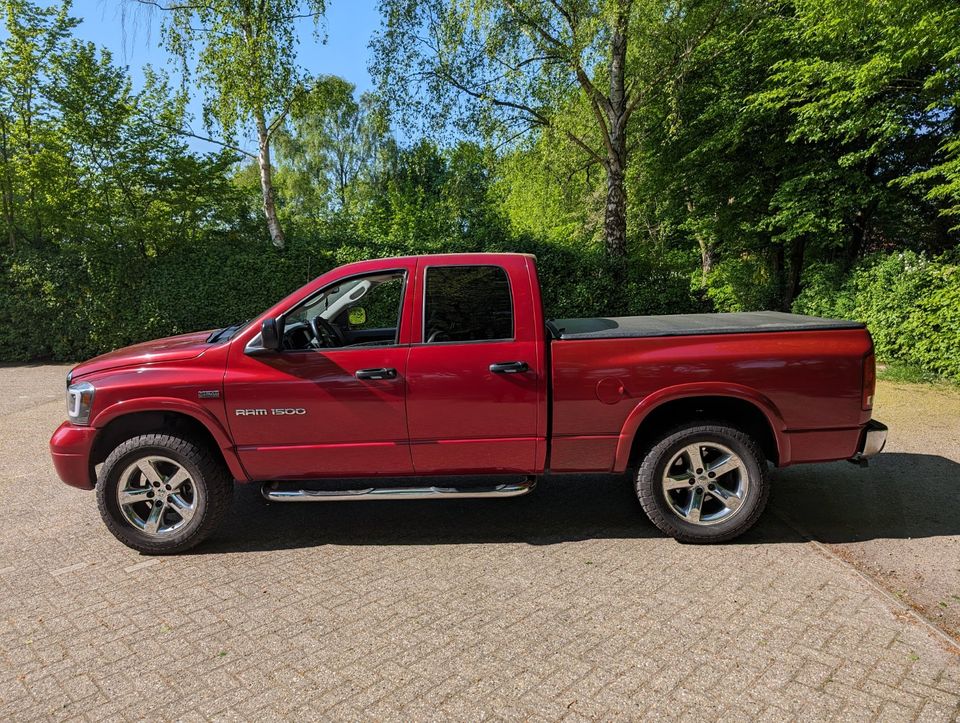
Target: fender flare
(179,406)
(700,389)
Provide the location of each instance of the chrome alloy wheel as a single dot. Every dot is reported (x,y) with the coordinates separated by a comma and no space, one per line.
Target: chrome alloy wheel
(705,483)
(157,495)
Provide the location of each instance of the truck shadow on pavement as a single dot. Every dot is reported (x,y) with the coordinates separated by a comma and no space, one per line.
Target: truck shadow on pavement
(898,496)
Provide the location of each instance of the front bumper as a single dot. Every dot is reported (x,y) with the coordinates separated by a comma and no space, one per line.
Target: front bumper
(872,440)
(70,447)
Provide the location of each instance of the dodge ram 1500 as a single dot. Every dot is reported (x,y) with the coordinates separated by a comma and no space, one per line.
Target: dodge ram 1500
(422,369)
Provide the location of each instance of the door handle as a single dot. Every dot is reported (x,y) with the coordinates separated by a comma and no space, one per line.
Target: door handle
(513,367)
(382,373)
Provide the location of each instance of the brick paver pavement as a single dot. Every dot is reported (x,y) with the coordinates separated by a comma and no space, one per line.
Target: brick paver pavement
(563,604)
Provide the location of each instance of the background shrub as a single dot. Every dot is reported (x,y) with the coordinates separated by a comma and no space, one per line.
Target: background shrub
(86,301)
(911,304)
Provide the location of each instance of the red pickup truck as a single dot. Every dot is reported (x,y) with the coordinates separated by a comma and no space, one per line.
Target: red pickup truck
(443,367)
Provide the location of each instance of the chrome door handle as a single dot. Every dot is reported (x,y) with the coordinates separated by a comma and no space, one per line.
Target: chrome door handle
(382,373)
(513,367)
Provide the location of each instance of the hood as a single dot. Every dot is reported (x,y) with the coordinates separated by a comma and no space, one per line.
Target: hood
(171,348)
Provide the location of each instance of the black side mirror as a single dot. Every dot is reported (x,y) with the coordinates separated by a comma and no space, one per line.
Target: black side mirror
(270,335)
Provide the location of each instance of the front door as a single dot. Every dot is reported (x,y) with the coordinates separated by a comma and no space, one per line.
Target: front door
(331,404)
(474,379)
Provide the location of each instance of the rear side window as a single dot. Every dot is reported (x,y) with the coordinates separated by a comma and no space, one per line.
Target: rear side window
(467,303)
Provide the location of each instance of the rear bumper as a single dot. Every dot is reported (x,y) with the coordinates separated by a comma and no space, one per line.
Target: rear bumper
(70,448)
(872,440)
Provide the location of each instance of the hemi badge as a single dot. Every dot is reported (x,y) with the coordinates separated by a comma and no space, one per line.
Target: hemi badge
(209,394)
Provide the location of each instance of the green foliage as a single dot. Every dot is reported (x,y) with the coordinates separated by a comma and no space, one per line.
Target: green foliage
(896,86)
(326,152)
(910,303)
(243,55)
(76,305)
(742,284)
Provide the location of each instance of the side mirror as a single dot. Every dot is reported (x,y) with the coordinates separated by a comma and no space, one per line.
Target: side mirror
(357,316)
(270,335)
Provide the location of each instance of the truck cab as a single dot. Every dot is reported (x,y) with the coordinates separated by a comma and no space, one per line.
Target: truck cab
(440,372)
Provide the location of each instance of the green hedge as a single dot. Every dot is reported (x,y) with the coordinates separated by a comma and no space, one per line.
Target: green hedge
(72,303)
(910,303)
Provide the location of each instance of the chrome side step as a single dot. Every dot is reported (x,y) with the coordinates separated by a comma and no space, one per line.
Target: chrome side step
(278,492)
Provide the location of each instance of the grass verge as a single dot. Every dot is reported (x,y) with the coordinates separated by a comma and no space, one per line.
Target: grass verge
(907,373)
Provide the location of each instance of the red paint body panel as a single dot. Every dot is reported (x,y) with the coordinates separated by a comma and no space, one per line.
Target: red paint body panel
(351,427)
(800,380)
(70,448)
(171,348)
(495,423)
(446,412)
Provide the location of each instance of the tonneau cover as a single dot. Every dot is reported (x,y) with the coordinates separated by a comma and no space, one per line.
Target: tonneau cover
(692,324)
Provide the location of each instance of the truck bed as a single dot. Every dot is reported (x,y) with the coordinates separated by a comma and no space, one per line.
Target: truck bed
(692,324)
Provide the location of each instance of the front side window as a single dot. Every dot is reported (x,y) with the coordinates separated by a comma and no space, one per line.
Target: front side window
(467,303)
(362,311)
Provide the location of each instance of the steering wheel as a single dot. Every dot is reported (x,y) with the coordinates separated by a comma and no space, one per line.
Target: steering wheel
(325,333)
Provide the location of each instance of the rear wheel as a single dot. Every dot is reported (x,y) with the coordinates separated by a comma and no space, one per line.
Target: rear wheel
(162,494)
(703,482)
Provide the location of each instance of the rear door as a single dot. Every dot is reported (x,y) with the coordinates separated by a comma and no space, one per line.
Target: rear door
(475,381)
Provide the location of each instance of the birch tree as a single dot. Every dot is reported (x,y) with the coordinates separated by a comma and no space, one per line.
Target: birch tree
(581,68)
(242,53)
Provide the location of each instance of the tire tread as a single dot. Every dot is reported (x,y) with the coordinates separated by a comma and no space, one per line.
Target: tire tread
(215,478)
(647,486)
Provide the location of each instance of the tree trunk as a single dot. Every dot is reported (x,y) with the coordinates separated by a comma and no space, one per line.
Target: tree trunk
(707,259)
(797,249)
(708,254)
(266,182)
(615,212)
(7,193)
(778,271)
(858,235)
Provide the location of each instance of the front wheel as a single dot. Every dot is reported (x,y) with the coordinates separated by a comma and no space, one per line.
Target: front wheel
(704,483)
(161,494)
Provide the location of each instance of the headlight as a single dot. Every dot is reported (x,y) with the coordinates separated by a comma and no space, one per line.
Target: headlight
(79,402)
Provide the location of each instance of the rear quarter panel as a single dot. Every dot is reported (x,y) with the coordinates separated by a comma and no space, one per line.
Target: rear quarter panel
(807,384)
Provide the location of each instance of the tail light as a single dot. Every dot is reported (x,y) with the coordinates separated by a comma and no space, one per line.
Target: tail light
(869,380)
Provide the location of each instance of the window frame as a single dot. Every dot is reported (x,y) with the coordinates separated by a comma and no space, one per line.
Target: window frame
(423,310)
(325,350)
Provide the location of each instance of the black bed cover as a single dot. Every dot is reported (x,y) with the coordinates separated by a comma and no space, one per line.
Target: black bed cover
(745,322)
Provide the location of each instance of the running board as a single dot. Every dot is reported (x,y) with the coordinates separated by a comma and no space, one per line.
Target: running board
(277,492)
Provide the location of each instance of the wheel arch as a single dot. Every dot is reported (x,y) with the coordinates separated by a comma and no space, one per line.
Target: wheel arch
(741,406)
(120,423)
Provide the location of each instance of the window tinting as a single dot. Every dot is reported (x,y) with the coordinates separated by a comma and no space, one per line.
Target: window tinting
(467,303)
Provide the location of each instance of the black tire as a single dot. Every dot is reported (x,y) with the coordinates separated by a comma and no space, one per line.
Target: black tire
(210,488)
(653,498)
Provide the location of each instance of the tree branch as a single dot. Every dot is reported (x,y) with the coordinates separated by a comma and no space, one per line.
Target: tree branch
(161,6)
(278,121)
(534,113)
(691,46)
(585,167)
(528,21)
(190,134)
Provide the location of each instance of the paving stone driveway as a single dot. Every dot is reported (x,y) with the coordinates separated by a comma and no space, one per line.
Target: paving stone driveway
(563,604)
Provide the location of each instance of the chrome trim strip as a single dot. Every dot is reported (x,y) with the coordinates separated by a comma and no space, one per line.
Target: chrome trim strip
(274,492)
